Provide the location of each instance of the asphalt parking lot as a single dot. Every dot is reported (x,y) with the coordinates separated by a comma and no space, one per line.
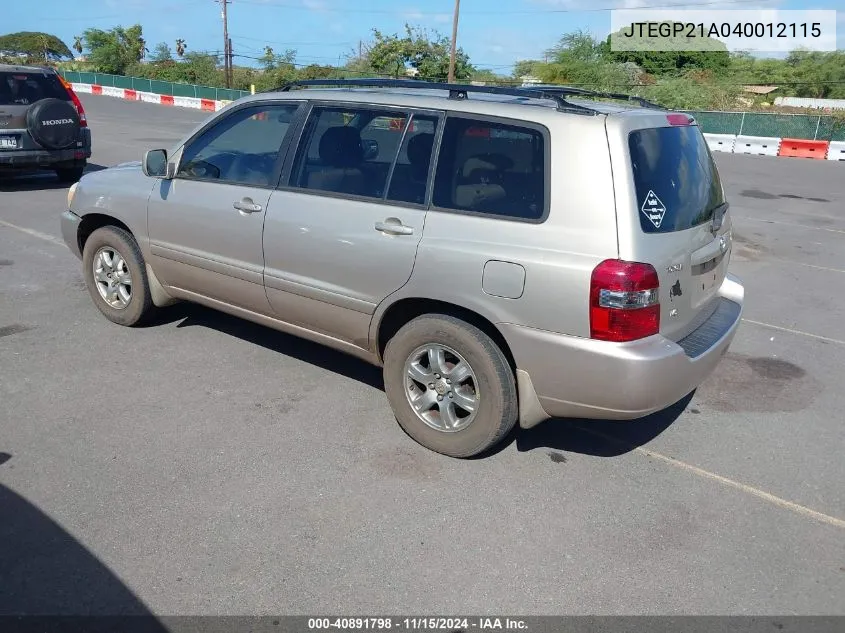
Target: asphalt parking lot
(204,465)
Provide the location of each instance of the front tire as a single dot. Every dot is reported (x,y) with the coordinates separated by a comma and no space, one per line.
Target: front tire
(116,277)
(450,386)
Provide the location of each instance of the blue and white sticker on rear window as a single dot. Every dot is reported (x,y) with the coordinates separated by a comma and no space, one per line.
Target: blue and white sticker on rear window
(653,209)
(677,184)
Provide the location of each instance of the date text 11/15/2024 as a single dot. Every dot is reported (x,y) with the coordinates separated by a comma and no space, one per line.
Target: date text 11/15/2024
(451,625)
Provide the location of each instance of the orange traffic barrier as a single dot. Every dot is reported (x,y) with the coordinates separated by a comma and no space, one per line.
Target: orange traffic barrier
(802,148)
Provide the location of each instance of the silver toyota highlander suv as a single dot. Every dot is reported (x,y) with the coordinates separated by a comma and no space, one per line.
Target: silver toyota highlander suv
(506,254)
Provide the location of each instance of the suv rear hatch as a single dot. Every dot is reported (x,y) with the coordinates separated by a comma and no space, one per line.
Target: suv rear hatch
(19,89)
(671,213)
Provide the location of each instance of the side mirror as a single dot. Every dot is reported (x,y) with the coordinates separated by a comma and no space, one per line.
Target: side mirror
(155,164)
(370,148)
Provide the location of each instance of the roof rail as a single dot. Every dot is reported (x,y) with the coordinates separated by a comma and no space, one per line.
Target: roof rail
(456,91)
(567,90)
(558,94)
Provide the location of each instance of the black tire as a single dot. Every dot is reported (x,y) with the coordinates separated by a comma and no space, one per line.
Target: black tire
(498,404)
(70,175)
(140,305)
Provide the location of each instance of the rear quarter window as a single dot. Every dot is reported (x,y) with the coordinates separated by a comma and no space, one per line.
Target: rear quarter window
(677,183)
(492,168)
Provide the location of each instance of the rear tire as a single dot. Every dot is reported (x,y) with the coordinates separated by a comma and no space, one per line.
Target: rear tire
(116,276)
(456,412)
(70,175)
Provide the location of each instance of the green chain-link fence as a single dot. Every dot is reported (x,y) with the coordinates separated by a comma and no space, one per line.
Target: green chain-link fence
(804,126)
(155,86)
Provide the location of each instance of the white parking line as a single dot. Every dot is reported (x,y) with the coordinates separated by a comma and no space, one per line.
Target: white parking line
(801,226)
(760,494)
(33,233)
(794,263)
(792,331)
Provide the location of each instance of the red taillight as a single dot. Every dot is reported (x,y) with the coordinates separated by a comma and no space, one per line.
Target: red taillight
(83,121)
(624,302)
(680,119)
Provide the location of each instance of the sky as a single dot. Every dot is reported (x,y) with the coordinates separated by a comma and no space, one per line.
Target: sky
(494,34)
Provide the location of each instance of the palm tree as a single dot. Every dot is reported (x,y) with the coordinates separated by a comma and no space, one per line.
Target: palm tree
(180,47)
(142,48)
(77,44)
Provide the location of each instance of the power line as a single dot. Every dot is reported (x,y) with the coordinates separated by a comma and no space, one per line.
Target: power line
(693,5)
(266,41)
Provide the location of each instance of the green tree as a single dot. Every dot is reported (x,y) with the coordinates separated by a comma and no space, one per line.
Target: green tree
(180,47)
(579,60)
(114,50)
(428,53)
(162,53)
(34,45)
(317,71)
(279,68)
(672,62)
(77,44)
(487,76)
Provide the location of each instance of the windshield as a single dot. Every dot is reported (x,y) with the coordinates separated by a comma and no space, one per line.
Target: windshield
(677,183)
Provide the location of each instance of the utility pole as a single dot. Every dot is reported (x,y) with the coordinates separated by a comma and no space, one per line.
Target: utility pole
(226,58)
(453,52)
(231,65)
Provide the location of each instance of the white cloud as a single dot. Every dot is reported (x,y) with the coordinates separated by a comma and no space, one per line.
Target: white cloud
(318,6)
(584,5)
(416,15)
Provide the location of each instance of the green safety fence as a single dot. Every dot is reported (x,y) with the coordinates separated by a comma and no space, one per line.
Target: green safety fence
(804,126)
(154,85)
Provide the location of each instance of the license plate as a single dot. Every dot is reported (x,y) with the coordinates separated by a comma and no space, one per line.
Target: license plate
(8,142)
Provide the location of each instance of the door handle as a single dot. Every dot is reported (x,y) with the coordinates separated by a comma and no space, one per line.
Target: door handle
(246,206)
(394,226)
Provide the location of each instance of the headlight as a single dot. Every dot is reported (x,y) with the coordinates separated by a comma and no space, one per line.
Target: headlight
(71,193)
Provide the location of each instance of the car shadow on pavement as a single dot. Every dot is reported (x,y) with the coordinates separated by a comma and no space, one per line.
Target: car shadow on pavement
(601,438)
(44,571)
(39,180)
(195,315)
(604,438)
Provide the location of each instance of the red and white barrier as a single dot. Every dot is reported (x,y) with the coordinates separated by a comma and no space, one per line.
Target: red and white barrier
(208,105)
(770,146)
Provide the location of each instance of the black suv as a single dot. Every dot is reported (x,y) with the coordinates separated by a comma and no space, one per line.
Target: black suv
(42,123)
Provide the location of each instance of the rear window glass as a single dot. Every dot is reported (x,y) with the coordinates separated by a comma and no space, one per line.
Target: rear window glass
(22,88)
(676,180)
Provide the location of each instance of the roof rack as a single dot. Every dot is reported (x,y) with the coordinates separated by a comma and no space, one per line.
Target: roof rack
(461,91)
(567,90)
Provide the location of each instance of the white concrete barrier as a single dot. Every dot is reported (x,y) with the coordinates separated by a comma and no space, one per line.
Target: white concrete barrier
(836,151)
(149,97)
(81,88)
(187,102)
(720,142)
(111,91)
(759,145)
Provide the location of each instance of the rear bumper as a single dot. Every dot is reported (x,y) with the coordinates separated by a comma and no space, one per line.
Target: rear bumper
(70,231)
(577,377)
(38,158)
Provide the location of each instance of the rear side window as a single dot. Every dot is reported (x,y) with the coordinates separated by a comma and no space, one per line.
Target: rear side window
(491,168)
(677,183)
(22,88)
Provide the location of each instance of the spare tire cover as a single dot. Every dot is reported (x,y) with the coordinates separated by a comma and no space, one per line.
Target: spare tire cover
(53,123)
